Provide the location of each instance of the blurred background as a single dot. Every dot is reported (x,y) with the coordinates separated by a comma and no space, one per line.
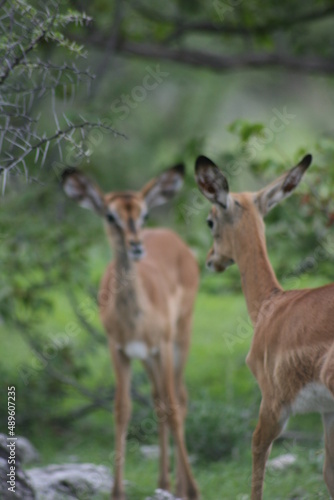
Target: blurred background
(123,90)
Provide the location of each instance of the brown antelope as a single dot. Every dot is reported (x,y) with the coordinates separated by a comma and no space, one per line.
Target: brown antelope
(292,352)
(146,300)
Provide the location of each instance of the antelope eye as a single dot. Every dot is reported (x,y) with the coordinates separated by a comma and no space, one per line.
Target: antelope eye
(110,218)
(210,223)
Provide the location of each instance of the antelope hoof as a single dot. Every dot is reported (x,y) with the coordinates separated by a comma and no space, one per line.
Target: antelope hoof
(118,495)
(164,485)
(193,494)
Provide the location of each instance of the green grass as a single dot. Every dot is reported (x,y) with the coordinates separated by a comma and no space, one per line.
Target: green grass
(221,339)
(224,400)
(227,479)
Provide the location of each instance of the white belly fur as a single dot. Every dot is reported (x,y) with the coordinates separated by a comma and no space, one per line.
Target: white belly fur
(314,397)
(138,350)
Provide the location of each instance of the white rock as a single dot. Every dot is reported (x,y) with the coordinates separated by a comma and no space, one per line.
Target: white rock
(25,451)
(162,495)
(70,481)
(23,488)
(150,452)
(282,462)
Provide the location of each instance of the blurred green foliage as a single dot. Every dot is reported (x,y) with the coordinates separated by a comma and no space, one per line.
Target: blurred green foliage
(53,253)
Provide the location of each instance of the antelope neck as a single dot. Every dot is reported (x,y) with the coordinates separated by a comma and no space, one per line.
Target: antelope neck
(126,281)
(258,278)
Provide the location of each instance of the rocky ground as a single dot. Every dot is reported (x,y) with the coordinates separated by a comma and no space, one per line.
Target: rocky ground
(54,482)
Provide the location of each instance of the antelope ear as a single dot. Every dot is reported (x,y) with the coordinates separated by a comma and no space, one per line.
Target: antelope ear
(281,188)
(211,182)
(82,190)
(163,188)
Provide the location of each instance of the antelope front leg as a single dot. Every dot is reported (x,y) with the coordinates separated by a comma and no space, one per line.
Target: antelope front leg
(181,393)
(122,412)
(153,368)
(180,473)
(328,422)
(176,422)
(267,429)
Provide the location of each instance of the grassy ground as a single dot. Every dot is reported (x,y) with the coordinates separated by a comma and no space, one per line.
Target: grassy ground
(228,479)
(224,401)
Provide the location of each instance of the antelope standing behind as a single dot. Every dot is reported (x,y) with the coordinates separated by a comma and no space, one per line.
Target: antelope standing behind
(292,351)
(148,317)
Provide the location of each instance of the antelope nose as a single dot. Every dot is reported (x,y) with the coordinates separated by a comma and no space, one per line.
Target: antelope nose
(136,247)
(209,265)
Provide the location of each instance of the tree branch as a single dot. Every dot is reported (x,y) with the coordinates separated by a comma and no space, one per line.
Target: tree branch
(54,372)
(211,60)
(96,334)
(207,26)
(21,57)
(216,62)
(70,128)
(45,141)
(100,397)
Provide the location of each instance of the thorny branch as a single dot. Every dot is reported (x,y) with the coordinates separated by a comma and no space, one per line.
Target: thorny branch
(26,78)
